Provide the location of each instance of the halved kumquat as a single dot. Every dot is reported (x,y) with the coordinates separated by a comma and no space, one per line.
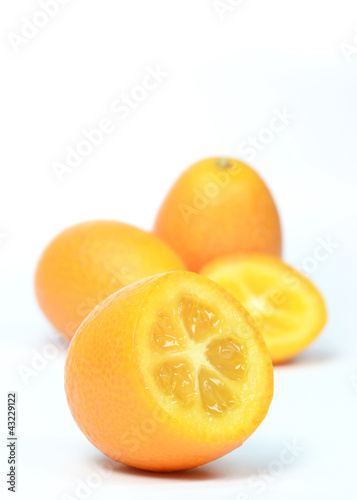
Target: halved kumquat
(287,307)
(168,373)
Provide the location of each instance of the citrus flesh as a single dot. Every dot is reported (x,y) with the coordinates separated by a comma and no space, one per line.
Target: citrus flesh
(90,261)
(287,307)
(219,206)
(168,373)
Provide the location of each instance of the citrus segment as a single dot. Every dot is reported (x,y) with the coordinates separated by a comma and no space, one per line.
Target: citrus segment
(176,377)
(215,395)
(228,357)
(200,321)
(167,334)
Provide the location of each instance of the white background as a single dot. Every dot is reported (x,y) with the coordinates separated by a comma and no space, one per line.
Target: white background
(225,79)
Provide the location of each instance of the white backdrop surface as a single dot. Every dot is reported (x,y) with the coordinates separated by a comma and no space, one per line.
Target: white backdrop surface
(222,71)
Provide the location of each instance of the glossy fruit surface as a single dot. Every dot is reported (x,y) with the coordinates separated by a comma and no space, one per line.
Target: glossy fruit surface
(168,373)
(219,206)
(288,309)
(89,261)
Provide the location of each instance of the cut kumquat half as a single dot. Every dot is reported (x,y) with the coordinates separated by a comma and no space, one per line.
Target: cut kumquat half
(168,373)
(288,309)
